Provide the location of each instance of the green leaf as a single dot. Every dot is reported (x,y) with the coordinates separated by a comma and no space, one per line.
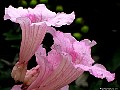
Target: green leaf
(115,63)
(74,87)
(96,85)
(11,35)
(5,74)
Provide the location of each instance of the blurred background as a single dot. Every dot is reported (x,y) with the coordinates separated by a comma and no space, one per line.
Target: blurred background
(99,21)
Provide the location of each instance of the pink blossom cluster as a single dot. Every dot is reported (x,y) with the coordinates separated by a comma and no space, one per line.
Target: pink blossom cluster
(66,61)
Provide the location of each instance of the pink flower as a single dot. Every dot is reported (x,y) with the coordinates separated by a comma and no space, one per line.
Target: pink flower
(81,54)
(53,72)
(34,24)
(39,15)
(67,60)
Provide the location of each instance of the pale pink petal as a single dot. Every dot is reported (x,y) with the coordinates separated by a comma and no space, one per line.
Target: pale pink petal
(31,75)
(54,58)
(13,13)
(44,70)
(61,19)
(64,41)
(42,51)
(51,30)
(42,12)
(83,49)
(16,87)
(65,88)
(98,71)
(62,35)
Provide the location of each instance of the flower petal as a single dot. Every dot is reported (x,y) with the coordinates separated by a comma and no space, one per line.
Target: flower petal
(83,49)
(16,87)
(65,88)
(45,69)
(13,13)
(98,71)
(31,75)
(62,41)
(45,14)
(61,19)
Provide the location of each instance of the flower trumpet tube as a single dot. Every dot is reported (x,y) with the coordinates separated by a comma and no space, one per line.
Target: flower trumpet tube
(34,24)
(32,36)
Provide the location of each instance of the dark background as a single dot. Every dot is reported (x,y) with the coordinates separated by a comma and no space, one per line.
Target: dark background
(103,20)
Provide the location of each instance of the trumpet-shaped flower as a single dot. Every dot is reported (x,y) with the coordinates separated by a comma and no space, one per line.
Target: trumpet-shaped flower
(67,60)
(53,72)
(39,15)
(81,54)
(34,24)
